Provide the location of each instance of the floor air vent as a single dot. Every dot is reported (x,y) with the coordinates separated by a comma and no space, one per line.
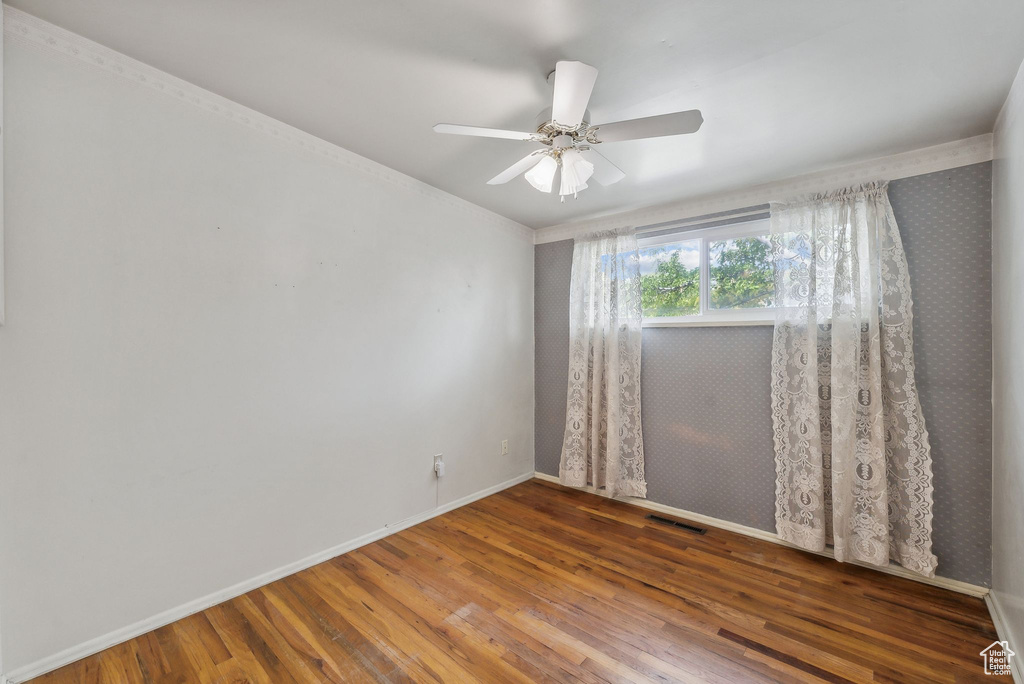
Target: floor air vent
(676,523)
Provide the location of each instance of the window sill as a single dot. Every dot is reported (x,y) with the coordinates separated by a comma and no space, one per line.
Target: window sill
(705,322)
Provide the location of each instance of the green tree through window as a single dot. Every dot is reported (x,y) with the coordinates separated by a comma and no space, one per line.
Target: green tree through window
(671,289)
(740,273)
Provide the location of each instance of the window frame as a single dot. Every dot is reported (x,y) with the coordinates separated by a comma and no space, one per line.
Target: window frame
(708,316)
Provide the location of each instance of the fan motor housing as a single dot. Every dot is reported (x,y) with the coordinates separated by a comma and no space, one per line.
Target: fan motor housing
(547,127)
(562,142)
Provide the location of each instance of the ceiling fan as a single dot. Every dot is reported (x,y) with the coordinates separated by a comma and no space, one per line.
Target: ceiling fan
(569,138)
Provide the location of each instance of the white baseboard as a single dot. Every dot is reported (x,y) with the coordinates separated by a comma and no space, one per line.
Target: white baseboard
(118,636)
(1005,633)
(893,569)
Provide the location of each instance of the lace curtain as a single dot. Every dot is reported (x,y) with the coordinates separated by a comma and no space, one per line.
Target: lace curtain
(852,455)
(603,445)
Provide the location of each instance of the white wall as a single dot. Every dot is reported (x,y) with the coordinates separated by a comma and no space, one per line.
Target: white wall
(223,353)
(1008,361)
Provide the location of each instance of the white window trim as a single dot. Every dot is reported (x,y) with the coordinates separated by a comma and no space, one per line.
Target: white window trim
(710,317)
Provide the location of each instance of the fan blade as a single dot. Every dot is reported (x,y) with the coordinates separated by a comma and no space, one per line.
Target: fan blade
(605,172)
(524,164)
(676,123)
(457,129)
(574,82)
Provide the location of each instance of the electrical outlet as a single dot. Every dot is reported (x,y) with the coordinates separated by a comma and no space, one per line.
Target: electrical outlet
(439,465)
(504,447)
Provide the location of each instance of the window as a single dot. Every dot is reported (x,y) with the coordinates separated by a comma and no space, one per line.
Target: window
(712,276)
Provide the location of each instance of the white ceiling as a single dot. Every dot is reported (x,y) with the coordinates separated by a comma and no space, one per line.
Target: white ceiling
(786,87)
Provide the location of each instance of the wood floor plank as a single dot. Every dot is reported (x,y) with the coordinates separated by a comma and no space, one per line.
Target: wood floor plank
(540,583)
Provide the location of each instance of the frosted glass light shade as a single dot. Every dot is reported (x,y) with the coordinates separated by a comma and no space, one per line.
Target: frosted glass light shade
(542,176)
(576,171)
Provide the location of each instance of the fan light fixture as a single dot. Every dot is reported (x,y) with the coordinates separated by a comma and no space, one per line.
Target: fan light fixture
(566,130)
(575,172)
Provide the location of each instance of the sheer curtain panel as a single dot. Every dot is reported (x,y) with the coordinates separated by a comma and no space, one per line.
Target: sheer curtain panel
(853,461)
(603,445)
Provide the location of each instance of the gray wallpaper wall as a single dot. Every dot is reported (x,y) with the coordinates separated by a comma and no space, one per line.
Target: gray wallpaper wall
(705,391)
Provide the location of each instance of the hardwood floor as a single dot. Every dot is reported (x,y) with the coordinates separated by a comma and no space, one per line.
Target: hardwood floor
(540,583)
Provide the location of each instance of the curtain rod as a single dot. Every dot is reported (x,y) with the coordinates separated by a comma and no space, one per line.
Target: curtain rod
(698,220)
